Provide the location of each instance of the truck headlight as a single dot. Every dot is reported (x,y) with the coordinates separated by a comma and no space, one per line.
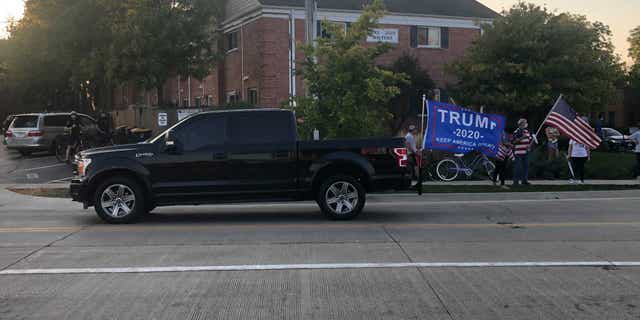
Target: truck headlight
(82,166)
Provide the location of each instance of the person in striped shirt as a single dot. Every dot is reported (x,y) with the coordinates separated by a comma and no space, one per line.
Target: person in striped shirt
(521,145)
(505,154)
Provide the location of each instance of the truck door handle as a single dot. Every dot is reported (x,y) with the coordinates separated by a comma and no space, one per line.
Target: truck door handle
(220,156)
(281,155)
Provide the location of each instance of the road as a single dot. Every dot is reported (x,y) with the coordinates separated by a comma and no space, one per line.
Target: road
(36,168)
(537,256)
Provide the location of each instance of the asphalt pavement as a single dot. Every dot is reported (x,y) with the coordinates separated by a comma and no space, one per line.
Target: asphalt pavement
(447,256)
(37,168)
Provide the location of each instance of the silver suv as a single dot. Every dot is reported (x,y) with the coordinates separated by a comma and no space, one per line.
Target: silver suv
(39,131)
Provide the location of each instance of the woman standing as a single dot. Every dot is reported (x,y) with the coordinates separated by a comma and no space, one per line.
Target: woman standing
(578,153)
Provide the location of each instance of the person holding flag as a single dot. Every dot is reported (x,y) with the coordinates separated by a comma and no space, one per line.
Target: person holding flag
(578,154)
(583,136)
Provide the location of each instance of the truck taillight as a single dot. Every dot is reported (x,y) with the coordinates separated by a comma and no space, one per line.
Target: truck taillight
(8,134)
(36,133)
(401,155)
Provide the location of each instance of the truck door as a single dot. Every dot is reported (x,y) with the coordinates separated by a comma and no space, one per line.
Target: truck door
(199,167)
(262,153)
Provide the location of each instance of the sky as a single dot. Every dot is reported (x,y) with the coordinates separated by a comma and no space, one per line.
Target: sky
(620,15)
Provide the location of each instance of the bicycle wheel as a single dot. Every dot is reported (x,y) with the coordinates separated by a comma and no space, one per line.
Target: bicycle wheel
(61,152)
(490,168)
(447,170)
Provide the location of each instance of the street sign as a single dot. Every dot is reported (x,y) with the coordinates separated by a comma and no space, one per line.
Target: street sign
(162,119)
(383,35)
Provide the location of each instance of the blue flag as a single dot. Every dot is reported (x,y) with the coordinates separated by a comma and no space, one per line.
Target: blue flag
(459,130)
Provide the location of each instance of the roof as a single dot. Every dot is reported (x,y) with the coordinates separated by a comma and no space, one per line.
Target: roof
(454,8)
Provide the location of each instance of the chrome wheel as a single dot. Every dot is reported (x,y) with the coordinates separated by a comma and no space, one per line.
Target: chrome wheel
(118,200)
(342,197)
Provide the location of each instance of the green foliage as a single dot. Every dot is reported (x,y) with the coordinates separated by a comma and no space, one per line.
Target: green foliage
(404,105)
(71,53)
(529,56)
(348,92)
(634,44)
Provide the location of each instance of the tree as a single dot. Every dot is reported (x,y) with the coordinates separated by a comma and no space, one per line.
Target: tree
(348,92)
(405,105)
(71,53)
(529,56)
(634,45)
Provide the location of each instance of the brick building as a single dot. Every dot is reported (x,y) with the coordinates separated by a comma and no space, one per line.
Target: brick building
(262,37)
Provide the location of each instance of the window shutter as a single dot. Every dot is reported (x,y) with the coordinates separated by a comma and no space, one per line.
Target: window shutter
(348,26)
(319,29)
(444,37)
(414,37)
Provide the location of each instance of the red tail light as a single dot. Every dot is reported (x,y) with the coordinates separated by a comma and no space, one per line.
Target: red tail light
(8,134)
(401,155)
(37,133)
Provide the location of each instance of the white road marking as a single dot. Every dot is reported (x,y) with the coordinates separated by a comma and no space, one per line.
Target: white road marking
(32,176)
(43,167)
(324,266)
(67,179)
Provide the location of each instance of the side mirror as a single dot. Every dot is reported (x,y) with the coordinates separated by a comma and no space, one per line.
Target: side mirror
(170,142)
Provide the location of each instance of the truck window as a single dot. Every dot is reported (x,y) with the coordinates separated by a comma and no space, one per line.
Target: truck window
(202,132)
(261,127)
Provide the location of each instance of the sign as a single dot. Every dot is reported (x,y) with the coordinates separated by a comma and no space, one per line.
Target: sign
(183,113)
(383,35)
(162,119)
(456,129)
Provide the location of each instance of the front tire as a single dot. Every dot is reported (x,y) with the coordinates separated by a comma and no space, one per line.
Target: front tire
(447,170)
(119,200)
(341,197)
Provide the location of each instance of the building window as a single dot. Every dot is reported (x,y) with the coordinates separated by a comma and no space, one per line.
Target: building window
(612,119)
(252,95)
(323,33)
(209,100)
(429,37)
(198,101)
(232,41)
(232,97)
(185,102)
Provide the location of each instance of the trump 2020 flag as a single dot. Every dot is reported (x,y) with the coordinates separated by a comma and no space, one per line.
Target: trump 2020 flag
(456,129)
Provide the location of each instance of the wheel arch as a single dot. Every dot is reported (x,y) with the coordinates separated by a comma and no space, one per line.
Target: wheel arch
(348,167)
(136,176)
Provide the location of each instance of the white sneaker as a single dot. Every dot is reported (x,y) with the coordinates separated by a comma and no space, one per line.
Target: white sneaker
(571,181)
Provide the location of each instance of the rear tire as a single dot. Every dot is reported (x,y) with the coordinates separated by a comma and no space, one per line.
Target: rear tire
(341,197)
(119,200)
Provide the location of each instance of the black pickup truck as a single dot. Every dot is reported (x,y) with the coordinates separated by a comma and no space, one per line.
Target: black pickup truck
(237,156)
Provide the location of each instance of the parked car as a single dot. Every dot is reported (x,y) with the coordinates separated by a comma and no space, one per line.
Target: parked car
(237,156)
(39,131)
(5,126)
(614,140)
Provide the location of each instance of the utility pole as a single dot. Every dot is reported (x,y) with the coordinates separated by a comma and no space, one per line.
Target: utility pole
(310,7)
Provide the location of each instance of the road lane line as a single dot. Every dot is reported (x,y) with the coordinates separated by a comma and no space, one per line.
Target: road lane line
(43,167)
(321,226)
(324,266)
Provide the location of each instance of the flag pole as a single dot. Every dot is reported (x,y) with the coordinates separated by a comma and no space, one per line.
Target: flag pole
(545,119)
(422,120)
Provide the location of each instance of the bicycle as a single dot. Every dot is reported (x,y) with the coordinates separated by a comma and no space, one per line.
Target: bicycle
(448,169)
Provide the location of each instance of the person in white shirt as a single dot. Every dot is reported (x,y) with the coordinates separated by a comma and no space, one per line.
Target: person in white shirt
(636,138)
(412,150)
(579,154)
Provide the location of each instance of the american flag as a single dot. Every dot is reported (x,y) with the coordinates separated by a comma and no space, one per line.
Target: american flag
(569,123)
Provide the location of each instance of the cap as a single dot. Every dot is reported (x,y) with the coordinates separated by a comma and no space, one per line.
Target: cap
(412,128)
(521,121)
